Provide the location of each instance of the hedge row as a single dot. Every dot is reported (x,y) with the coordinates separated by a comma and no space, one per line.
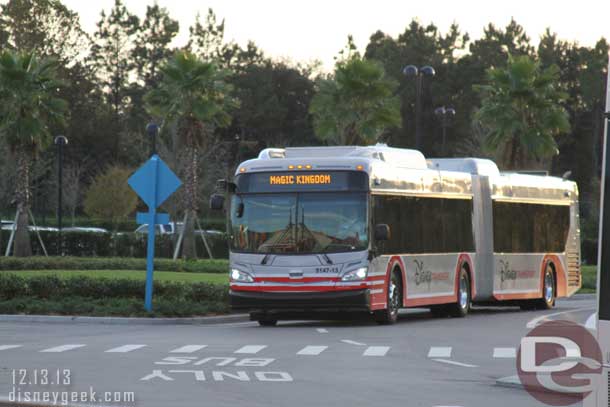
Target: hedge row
(52,287)
(122,307)
(115,244)
(111,263)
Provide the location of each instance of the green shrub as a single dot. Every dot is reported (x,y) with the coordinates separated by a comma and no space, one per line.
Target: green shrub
(124,307)
(111,263)
(46,287)
(84,244)
(12,286)
(49,295)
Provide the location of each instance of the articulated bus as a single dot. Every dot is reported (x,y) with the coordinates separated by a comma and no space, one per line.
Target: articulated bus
(376,228)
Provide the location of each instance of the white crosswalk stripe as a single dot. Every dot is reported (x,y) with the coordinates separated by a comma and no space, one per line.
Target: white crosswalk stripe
(188,349)
(311,350)
(440,352)
(250,349)
(7,347)
(63,348)
(376,351)
(352,342)
(505,353)
(124,348)
(322,330)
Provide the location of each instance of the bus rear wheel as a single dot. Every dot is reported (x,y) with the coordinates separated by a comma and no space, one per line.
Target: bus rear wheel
(389,315)
(548,290)
(461,307)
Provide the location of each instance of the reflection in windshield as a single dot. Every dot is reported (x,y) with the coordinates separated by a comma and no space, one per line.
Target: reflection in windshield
(300,223)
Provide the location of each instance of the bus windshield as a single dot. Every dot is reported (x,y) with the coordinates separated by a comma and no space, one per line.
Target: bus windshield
(307,222)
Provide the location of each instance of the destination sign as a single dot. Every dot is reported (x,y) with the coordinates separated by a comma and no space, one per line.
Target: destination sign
(312,179)
(302,181)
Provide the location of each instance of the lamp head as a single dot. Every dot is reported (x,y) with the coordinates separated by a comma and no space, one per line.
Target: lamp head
(60,140)
(428,71)
(410,70)
(152,129)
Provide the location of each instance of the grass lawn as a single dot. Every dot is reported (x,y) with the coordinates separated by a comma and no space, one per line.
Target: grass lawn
(214,278)
(589,279)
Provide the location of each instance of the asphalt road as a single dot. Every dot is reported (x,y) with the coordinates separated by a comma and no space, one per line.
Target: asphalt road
(421,361)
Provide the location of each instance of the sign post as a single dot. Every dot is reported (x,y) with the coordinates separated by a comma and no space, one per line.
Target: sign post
(603,261)
(154,182)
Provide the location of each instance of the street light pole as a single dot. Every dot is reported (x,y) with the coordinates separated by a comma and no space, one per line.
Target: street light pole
(445,114)
(152,130)
(418,74)
(60,141)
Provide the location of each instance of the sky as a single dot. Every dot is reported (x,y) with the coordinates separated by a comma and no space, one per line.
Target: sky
(309,30)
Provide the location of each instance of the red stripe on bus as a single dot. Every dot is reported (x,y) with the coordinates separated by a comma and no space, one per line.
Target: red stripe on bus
(297,288)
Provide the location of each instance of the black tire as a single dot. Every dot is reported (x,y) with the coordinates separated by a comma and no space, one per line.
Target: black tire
(439,311)
(461,307)
(389,315)
(527,305)
(267,322)
(549,291)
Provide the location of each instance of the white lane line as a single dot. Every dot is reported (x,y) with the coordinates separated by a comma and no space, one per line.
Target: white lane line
(452,362)
(124,348)
(505,353)
(311,350)
(322,330)
(536,321)
(188,349)
(6,347)
(592,322)
(251,349)
(376,351)
(353,342)
(63,348)
(440,352)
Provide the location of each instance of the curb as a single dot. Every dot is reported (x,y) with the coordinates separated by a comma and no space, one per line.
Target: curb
(61,319)
(6,402)
(580,297)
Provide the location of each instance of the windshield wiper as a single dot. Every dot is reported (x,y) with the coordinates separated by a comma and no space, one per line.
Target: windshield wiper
(264,260)
(328,259)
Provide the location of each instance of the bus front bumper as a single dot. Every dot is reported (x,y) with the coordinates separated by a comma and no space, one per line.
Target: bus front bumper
(352,300)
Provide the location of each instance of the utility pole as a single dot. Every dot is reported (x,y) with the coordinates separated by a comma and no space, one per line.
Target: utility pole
(411,71)
(60,142)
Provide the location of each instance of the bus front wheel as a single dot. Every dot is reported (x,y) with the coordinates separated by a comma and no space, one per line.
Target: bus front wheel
(394,301)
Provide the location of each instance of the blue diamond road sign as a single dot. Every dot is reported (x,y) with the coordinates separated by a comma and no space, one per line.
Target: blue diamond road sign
(154,182)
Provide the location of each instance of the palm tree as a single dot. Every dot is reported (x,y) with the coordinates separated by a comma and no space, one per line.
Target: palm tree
(521,112)
(28,105)
(356,105)
(193,96)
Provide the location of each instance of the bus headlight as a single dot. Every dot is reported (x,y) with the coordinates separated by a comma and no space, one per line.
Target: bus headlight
(241,276)
(356,275)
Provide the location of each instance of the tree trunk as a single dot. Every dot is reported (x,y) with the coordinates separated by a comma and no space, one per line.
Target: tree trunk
(189,249)
(23,246)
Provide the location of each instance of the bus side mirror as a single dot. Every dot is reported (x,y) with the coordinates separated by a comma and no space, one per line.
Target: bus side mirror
(217,201)
(382,232)
(239,211)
